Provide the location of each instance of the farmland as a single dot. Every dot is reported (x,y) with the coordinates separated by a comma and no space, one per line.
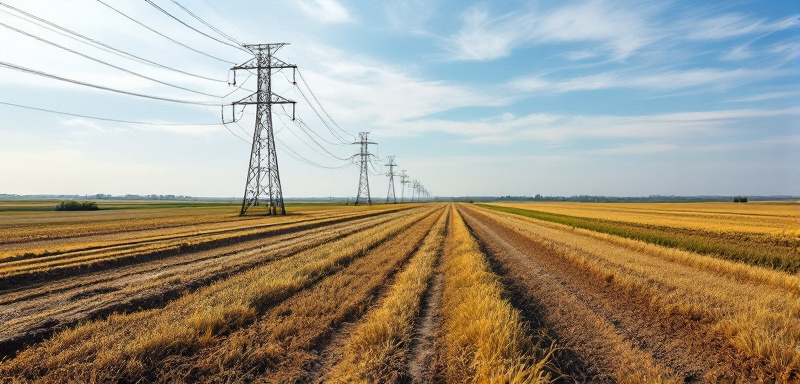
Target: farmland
(436,292)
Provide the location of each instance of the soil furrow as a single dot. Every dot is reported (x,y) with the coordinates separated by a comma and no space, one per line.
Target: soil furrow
(614,334)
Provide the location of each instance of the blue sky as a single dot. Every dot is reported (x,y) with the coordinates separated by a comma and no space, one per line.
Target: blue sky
(474,98)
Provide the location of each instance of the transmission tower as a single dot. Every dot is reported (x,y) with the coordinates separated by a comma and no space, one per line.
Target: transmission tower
(263,179)
(363,181)
(390,196)
(403,182)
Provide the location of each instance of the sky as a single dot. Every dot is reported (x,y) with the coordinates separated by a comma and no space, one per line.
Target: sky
(616,98)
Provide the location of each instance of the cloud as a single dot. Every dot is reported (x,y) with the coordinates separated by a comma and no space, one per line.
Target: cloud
(639,148)
(409,15)
(788,51)
(612,28)
(771,142)
(734,25)
(361,92)
(555,128)
(666,80)
(326,11)
(768,96)
(483,38)
(739,52)
(619,28)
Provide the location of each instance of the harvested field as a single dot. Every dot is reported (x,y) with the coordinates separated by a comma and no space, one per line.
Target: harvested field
(765,234)
(445,293)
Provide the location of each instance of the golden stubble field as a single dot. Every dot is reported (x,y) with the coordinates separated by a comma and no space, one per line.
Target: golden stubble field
(435,292)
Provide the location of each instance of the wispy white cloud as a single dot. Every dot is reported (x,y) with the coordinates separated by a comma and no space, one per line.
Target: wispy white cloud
(739,52)
(771,142)
(787,51)
(326,11)
(619,28)
(638,148)
(654,80)
(410,15)
(483,38)
(563,128)
(733,25)
(363,92)
(768,96)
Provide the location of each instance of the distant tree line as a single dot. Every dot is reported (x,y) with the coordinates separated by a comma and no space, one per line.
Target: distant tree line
(72,205)
(740,199)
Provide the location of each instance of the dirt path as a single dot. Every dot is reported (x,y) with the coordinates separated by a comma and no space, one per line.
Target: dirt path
(421,351)
(32,313)
(610,335)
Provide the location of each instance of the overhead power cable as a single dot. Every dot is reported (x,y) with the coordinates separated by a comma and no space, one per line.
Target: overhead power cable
(338,137)
(213,28)
(318,135)
(97,44)
(326,152)
(165,36)
(103,118)
(106,63)
(307,128)
(51,76)
(320,105)
(195,29)
(331,130)
(292,153)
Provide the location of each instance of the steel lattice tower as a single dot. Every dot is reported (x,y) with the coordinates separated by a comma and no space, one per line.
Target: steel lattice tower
(263,179)
(403,182)
(363,181)
(390,196)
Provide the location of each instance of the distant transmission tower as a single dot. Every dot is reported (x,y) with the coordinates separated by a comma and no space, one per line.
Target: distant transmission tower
(363,181)
(403,182)
(390,196)
(263,179)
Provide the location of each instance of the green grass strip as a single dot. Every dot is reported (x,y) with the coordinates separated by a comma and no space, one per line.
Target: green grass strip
(702,242)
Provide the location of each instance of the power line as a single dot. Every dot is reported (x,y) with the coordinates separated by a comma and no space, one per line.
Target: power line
(96,44)
(104,62)
(223,34)
(339,137)
(51,76)
(294,154)
(193,28)
(318,135)
(312,139)
(165,36)
(299,157)
(234,134)
(320,104)
(103,118)
(122,121)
